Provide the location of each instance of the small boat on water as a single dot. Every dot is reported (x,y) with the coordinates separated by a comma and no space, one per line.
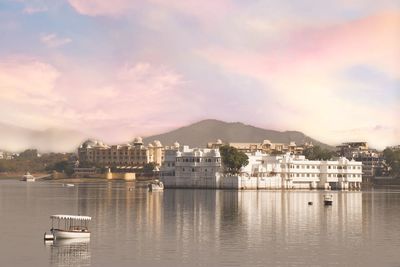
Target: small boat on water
(68,185)
(27,177)
(68,226)
(328,200)
(156,186)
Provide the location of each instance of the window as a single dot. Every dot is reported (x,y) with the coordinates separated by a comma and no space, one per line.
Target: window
(192,169)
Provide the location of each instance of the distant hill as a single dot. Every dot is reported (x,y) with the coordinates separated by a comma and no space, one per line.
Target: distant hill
(200,133)
(16,139)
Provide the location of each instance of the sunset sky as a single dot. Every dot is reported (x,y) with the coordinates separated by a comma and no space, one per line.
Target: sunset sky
(123,68)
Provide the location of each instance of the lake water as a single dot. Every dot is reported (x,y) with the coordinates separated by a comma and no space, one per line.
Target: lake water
(199,227)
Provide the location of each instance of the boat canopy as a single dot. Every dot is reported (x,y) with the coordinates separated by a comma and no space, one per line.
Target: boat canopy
(71,217)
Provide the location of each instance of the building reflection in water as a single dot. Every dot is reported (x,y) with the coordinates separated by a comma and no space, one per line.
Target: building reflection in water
(217,226)
(70,252)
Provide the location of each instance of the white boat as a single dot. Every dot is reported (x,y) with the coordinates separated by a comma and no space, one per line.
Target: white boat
(27,177)
(156,186)
(70,226)
(328,200)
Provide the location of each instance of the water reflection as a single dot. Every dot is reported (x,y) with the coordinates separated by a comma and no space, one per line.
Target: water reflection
(209,227)
(70,252)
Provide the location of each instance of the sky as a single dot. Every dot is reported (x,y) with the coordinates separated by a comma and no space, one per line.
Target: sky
(124,68)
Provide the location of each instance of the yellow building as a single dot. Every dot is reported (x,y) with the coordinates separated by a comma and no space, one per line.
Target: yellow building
(131,154)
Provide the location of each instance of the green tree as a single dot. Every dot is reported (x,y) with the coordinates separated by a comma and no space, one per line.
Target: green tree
(64,166)
(232,159)
(392,158)
(318,153)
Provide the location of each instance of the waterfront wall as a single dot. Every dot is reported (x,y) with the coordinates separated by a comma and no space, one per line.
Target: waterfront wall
(127,176)
(223,182)
(250,183)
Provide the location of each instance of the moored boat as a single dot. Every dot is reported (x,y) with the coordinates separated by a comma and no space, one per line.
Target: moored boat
(156,186)
(27,177)
(70,226)
(328,200)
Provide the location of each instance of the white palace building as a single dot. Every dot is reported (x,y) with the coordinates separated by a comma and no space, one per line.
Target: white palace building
(202,168)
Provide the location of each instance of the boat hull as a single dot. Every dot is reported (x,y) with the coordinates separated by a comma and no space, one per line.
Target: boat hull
(58,234)
(158,186)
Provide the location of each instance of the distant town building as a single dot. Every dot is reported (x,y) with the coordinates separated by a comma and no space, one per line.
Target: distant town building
(372,160)
(131,154)
(265,146)
(394,148)
(350,149)
(6,155)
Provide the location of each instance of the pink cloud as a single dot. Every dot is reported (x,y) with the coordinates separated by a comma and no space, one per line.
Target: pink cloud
(101,7)
(134,94)
(374,40)
(199,9)
(52,40)
(302,71)
(33,10)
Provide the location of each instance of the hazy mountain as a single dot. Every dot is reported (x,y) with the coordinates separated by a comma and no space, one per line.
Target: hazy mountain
(200,133)
(15,139)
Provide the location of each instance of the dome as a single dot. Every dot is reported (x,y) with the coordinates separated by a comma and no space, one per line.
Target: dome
(266,142)
(89,143)
(138,140)
(176,145)
(150,145)
(219,141)
(157,143)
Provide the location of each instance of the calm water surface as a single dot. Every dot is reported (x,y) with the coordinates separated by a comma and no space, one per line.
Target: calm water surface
(199,227)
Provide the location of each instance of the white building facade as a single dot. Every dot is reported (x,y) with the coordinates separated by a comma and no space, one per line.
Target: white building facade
(191,168)
(297,172)
(202,168)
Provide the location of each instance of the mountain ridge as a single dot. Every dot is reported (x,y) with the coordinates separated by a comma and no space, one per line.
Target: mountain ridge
(16,139)
(200,133)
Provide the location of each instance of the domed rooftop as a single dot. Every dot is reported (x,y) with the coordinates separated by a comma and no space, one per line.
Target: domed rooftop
(138,140)
(266,142)
(219,141)
(89,143)
(157,143)
(150,145)
(176,144)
